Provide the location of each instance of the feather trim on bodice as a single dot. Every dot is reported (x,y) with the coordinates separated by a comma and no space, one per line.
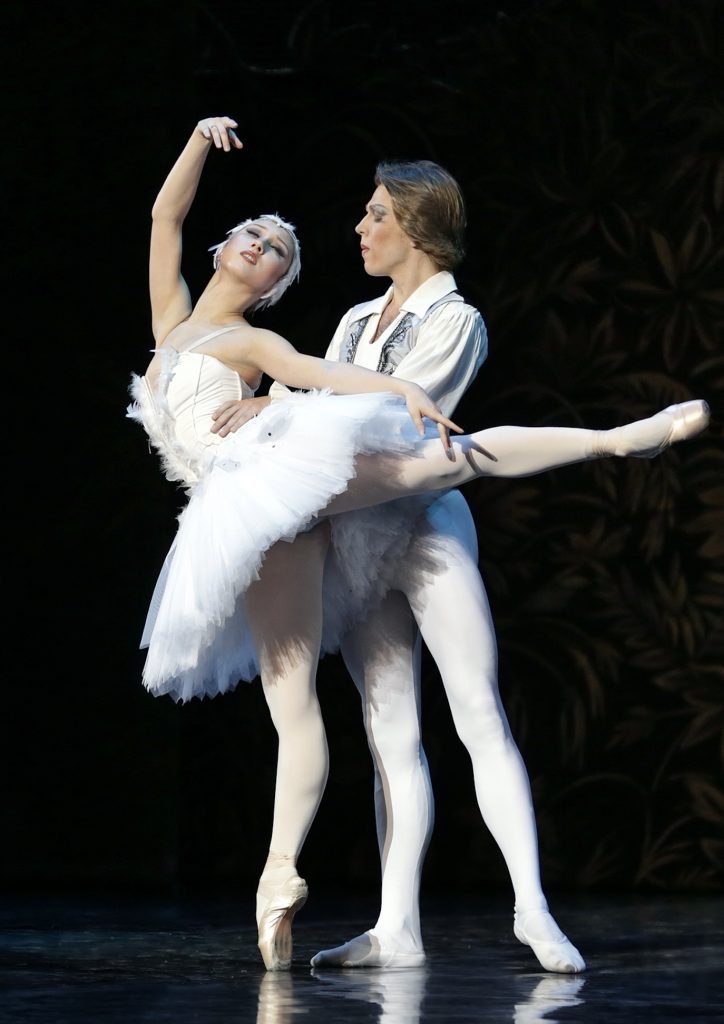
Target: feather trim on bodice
(150,409)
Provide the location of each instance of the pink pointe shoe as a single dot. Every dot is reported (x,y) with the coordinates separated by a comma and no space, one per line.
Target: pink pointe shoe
(645,439)
(275,910)
(687,420)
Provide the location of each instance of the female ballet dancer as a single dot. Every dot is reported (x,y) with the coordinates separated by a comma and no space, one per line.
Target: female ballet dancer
(224,609)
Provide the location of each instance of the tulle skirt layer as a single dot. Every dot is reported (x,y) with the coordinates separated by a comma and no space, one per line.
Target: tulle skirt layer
(267,482)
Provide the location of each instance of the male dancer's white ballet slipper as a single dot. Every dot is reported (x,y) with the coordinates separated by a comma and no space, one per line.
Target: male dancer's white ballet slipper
(275,910)
(645,439)
(555,951)
(367,950)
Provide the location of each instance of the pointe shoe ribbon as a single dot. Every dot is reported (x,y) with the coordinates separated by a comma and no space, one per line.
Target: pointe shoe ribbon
(275,910)
(556,954)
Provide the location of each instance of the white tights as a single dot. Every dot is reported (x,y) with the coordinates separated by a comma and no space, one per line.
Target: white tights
(284,608)
(453,614)
(454,618)
(285,611)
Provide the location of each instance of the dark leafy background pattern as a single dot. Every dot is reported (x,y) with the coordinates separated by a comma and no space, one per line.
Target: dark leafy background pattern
(589,140)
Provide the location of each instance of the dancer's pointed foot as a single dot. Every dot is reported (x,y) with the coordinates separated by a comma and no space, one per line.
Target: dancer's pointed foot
(276,905)
(537,929)
(645,439)
(368,950)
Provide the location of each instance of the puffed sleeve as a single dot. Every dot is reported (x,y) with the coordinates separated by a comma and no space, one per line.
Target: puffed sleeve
(452,345)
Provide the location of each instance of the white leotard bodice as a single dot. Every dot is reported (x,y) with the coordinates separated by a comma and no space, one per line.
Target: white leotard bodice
(177,411)
(199,385)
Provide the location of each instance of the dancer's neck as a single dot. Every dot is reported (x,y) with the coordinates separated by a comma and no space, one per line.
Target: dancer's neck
(222,301)
(410,275)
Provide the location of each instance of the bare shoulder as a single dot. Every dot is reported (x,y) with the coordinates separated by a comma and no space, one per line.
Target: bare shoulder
(263,336)
(250,351)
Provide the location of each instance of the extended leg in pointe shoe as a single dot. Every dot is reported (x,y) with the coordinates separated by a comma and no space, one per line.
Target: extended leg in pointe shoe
(645,439)
(275,910)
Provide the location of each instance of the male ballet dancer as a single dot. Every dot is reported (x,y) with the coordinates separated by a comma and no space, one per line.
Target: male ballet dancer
(422,330)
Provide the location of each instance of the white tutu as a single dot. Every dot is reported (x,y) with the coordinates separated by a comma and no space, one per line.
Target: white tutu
(367,549)
(264,483)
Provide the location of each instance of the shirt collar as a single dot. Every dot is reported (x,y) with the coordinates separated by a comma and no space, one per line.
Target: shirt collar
(418,303)
(430,291)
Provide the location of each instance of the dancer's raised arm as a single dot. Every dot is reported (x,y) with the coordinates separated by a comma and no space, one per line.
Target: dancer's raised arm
(170,299)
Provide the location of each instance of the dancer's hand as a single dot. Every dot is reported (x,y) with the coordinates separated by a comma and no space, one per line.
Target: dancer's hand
(232,415)
(220,132)
(420,406)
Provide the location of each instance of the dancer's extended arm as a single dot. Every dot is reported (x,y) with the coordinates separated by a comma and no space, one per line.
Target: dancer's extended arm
(276,357)
(451,346)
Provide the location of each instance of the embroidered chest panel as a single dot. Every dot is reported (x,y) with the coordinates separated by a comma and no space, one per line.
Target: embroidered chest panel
(397,345)
(351,342)
(401,340)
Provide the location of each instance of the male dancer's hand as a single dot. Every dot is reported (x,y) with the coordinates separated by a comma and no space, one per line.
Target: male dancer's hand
(232,415)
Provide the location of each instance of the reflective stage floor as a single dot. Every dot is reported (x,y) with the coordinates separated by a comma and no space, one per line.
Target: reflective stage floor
(66,961)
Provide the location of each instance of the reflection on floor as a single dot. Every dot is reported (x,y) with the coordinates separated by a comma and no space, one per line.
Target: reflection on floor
(68,961)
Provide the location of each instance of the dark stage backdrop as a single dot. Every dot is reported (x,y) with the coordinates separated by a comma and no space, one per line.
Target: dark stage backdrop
(589,140)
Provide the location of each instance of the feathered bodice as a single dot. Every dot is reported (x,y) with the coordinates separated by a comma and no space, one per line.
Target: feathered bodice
(177,413)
